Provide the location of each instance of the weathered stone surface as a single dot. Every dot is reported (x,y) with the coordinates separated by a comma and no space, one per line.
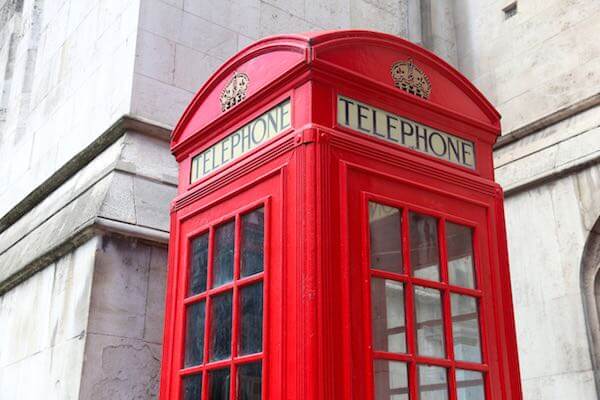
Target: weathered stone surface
(118,368)
(44,323)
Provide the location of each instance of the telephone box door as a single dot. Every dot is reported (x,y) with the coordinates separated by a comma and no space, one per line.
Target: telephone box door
(228,248)
(426,330)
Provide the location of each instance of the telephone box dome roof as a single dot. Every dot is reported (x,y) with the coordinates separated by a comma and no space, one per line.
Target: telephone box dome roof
(358,56)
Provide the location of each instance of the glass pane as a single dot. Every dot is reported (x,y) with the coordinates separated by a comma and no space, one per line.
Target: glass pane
(387,313)
(424,252)
(465,328)
(251,319)
(218,384)
(433,383)
(429,322)
(199,265)
(459,240)
(192,387)
(469,385)
(391,380)
(386,239)
(253,236)
(249,381)
(220,344)
(224,247)
(194,338)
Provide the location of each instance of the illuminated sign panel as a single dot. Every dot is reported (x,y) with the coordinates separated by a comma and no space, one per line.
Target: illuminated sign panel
(240,142)
(393,128)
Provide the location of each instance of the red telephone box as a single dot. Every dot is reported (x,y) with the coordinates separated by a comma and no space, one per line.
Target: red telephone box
(338,233)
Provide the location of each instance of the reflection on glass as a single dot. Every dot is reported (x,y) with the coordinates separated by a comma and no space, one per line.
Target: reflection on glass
(224,248)
(386,239)
(387,313)
(194,338)
(391,380)
(192,387)
(251,319)
(220,344)
(199,263)
(459,241)
(253,236)
(424,251)
(465,328)
(218,384)
(469,385)
(249,381)
(433,383)
(429,322)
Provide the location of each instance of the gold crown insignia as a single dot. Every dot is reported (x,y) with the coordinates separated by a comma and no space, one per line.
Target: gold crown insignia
(410,78)
(235,91)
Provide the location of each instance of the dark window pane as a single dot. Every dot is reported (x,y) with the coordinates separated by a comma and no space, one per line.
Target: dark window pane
(249,381)
(433,383)
(220,344)
(469,385)
(253,236)
(192,387)
(224,247)
(251,319)
(429,322)
(465,328)
(387,313)
(199,265)
(459,241)
(424,252)
(391,380)
(386,240)
(218,384)
(194,339)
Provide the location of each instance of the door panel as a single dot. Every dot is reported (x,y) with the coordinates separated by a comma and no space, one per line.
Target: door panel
(226,277)
(416,261)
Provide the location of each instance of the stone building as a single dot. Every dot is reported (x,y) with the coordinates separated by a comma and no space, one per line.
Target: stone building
(90,89)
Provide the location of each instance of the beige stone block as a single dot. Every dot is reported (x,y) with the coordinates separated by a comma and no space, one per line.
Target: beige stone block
(207,37)
(193,68)
(118,302)
(155,57)
(574,385)
(120,366)
(294,7)
(152,202)
(158,101)
(366,15)
(240,16)
(155,303)
(119,203)
(333,14)
(71,292)
(161,18)
(275,21)
(584,146)
(565,350)
(25,315)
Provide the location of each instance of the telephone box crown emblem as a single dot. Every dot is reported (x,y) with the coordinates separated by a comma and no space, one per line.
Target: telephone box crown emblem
(235,91)
(410,78)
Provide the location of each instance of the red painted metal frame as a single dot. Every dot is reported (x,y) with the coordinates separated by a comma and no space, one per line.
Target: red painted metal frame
(317,177)
(443,286)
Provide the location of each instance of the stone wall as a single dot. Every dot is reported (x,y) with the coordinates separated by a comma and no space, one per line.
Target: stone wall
(44,329)
(66,72)
(532,64)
